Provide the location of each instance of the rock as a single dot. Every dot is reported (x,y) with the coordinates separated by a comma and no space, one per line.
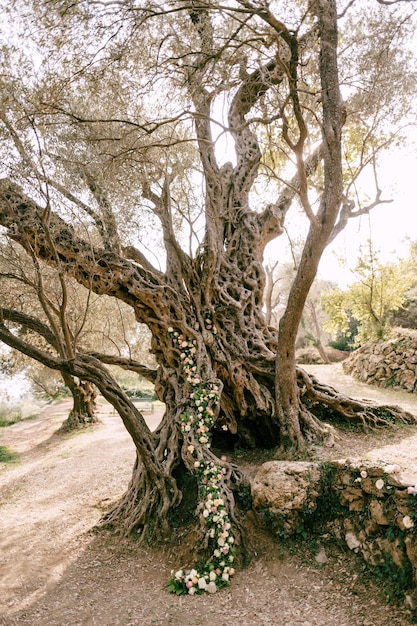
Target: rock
(286,489)
(321,557)
(352,541)
(376,508)
(405,478)
(411,599)
(386,363)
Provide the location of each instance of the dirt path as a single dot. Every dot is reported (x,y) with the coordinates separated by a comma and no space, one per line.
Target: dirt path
(53,572)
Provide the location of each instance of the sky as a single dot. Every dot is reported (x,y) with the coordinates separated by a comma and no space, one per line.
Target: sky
(391,227)
(13,388)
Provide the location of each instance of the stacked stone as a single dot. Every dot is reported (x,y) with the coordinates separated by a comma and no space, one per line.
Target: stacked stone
(390,363)
(374,508)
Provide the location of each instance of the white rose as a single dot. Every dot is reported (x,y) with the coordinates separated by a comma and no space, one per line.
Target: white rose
(192,591)
(213,575)
(408,522)
(202,583)
(379,484)
(211,587)
(225,576)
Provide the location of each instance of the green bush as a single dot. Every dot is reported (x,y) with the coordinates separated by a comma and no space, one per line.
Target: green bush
(7,455)
(140,393)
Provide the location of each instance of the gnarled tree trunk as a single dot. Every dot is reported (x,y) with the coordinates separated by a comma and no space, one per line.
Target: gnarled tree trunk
(222,371)
(83,412)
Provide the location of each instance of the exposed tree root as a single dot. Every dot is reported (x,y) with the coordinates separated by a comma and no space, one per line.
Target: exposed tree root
(77,420)
(314,429)
(152,504)
(328,404)
(144,508)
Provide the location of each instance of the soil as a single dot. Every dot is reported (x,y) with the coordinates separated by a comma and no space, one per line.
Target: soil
(56,572)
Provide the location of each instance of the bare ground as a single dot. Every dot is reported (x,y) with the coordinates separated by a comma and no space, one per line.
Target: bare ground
(55,572)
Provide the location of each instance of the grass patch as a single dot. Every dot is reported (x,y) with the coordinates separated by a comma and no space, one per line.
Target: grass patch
(9,421)
(14,419)
(13,413)
(7,455)
(9,415)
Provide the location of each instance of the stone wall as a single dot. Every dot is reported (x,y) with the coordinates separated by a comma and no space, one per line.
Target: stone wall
(371,507)
(391,363)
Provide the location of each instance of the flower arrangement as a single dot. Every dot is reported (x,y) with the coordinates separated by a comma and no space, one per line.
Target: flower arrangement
(196,423)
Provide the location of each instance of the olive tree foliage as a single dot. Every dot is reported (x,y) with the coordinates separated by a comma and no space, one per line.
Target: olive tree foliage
(116,174)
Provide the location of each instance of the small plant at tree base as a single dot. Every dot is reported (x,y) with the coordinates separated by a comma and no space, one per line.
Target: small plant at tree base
(196,425)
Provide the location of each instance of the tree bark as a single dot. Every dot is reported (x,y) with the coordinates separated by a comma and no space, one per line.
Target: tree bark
(296,423)
(83,412)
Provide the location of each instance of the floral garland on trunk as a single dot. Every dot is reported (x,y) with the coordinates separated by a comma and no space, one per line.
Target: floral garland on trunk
(196,425)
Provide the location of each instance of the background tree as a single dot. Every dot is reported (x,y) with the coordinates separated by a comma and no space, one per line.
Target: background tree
(278,284)
(67,309)
(406,315)
(312,322)
(380,290)
(110,152)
